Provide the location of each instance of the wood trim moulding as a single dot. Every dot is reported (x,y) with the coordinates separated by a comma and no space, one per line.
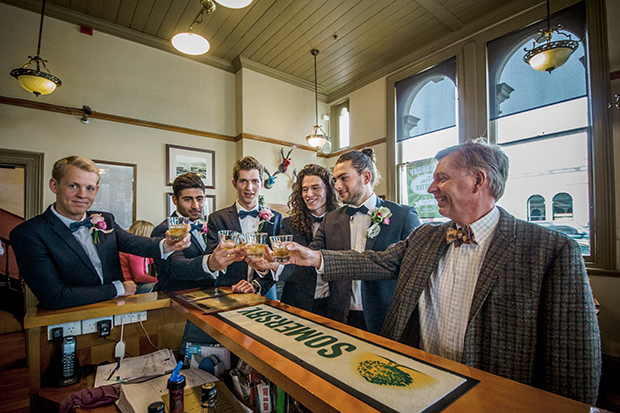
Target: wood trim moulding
(357,147)
(614,75)
(272,140)
(112,118)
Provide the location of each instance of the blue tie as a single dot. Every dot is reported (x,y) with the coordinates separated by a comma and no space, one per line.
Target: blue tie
(74,226)
(318,219)
(197,227)
(352,210)
(253,213)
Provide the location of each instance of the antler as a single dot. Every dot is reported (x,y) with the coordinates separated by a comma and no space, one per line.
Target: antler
(289,152)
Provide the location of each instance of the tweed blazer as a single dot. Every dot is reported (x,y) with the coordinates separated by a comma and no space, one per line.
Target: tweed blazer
(335,234)
(183,269)
(56,268)
(227,218)
(532,318)
(299,282)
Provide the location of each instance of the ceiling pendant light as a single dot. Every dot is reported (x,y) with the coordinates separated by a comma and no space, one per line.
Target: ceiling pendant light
(194,44)
(318,137)
(36,81)
(550,55)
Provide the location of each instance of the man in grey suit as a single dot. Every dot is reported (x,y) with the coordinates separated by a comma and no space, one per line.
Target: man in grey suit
(359,226)
(487,290)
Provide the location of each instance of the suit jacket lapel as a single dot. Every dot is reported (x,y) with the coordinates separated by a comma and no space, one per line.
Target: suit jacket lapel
(499,250)
(233,218)
(65,234)
(344,229)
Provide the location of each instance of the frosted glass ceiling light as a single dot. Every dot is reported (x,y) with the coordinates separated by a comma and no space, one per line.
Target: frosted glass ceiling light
(36,81)
(318,137)
(234,4)
(550,55)
(194,44)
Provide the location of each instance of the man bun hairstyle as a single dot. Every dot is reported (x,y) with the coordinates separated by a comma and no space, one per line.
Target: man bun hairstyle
(364,160)
(479,154)
(187,180)
(59,171)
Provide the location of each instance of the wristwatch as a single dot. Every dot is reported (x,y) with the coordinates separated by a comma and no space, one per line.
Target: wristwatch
(256,286)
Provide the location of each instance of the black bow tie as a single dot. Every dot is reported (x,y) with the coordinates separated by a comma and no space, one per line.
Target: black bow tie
(253,213)
(352,210)
(318,219)
(74,226)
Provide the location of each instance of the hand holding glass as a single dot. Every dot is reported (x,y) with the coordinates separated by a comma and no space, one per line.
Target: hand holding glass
(279,243)
(228,236)
(178,227)
(256,242)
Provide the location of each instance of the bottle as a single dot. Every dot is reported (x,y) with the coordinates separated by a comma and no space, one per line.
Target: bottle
(157,407)
(176,384)
(208,397)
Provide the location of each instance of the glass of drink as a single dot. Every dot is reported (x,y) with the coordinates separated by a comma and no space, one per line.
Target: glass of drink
(256,242)
(228,236)
(279,243)
(177,227)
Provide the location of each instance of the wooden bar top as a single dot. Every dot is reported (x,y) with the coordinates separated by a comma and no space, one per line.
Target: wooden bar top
(493,393)
(39,317)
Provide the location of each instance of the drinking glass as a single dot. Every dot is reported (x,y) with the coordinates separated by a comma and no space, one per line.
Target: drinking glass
(256,242)
(279,243)
(228,236)
(177,227)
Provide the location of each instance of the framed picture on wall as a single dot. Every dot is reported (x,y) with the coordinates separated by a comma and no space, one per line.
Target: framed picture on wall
(209,205)
(181,159)
(117,191)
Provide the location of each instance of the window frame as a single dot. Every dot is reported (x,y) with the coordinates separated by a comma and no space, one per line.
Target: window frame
(335,125)
(469,47)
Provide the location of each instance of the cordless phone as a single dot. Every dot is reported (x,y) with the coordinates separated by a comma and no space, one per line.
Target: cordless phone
(66,368)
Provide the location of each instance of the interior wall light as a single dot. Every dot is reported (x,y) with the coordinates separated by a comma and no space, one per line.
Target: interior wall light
(87,111)
(318,137)
(194,44)
(550,55)
(36,81)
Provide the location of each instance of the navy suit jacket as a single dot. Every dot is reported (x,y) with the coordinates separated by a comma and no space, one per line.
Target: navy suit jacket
(335,234)
(183,269)
(56,268)
(299,282)
(227,218)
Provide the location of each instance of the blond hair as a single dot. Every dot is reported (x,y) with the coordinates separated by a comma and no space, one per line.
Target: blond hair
(141,228)
(59,171)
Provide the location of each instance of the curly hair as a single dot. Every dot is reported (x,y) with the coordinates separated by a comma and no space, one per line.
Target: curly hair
(301,217)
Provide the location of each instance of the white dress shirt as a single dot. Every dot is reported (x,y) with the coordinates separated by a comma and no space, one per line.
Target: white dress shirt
(446,301)
(359,224)
(322,288)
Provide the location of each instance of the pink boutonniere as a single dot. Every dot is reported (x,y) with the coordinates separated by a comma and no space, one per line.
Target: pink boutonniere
(265,215)
(98,225)
(378,216)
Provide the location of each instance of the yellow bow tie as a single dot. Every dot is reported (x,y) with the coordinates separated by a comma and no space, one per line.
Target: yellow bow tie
(460,236)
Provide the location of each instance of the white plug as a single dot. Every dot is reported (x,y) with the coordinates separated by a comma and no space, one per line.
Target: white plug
(119,350)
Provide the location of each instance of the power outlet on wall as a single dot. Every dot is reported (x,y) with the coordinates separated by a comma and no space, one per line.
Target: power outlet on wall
(73,328)
(90,326)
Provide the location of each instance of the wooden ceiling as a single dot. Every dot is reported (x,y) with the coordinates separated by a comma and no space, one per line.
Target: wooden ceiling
(357,39)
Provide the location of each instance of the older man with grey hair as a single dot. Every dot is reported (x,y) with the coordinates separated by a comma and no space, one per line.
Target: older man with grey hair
(485,289)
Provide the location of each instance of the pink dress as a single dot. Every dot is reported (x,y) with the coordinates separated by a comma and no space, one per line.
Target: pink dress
(136,268)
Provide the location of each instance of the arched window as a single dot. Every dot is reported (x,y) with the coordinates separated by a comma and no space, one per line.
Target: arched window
(541,121)
(562,206)
(536,210)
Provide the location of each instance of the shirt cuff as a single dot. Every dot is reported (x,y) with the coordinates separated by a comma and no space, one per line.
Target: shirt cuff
(205,267)
(120,289)
(276,274)
(262,274)
(321,269)
(161,250)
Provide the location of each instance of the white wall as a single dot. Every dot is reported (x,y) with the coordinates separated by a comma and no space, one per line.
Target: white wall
(122,78)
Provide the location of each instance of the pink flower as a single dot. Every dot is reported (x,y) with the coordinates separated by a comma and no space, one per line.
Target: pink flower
(265,214)
(204,228)
(386,221)
(98,221)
